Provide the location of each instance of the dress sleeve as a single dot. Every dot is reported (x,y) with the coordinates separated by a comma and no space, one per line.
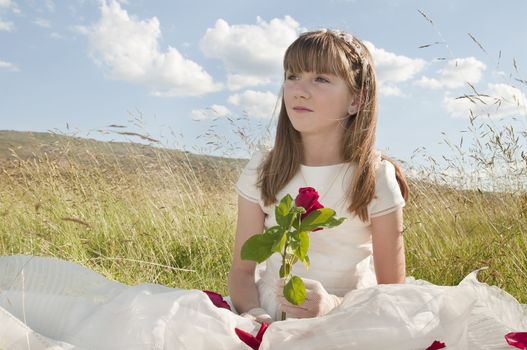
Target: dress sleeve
(388,195)
(246,184)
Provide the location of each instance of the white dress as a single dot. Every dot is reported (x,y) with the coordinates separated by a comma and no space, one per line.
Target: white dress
(47,303)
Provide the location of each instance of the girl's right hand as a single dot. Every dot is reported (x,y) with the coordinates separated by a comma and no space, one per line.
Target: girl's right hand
(259,315)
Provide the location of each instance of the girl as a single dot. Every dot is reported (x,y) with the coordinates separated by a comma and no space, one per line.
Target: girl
(356,298)
(357,294)
(325,138)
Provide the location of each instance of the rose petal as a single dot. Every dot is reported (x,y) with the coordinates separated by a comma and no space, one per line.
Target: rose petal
(314,206)
(436,345)
(217,299)
(306,196)
(517,339)
(249,339)
(261,331)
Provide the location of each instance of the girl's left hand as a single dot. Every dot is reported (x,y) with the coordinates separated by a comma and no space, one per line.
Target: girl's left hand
(318,301)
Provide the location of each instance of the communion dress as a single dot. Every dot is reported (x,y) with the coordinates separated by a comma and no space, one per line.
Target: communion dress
(46,303)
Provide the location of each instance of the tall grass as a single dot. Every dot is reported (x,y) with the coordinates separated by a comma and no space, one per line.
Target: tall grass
(171,220)
(134,220)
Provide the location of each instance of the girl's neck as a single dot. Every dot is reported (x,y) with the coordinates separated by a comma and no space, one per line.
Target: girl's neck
(320,151)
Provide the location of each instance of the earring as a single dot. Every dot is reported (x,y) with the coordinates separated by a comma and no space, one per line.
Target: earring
(352,109)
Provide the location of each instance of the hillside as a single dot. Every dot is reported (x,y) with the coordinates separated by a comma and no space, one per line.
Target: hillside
(25,145)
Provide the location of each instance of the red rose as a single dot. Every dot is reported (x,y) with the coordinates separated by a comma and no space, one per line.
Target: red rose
(217,299)
(308,199)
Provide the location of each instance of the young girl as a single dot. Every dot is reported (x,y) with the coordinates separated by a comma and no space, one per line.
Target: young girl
(325,139)
(356,298)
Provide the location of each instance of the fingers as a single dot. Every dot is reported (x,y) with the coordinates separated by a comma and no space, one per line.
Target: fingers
(303,310)
(260,318)
(295,311)
(258,314)
(264,318)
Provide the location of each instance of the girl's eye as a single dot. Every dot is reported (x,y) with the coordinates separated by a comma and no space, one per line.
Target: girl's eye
(319,79)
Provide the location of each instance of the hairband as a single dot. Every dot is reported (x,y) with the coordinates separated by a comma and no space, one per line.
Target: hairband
(353,43)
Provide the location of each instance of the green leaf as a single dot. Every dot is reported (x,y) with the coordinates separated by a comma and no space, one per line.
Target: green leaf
(285,270)
(301,251)
(324,217)
(294,244)
(332,222)
(298,213)
(294,259)
(278,246)
(295,290)
(306,261)
(283,212)
(316,218)
(258,248)
(261,246)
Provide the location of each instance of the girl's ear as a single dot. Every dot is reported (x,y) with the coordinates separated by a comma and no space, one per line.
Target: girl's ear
(356,102)
(354,106)
(352,109)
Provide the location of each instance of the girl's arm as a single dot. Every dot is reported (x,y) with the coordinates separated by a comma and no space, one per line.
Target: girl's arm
(242,288)
(388,247)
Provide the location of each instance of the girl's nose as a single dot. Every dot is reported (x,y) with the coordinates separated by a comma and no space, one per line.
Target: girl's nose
(301,90)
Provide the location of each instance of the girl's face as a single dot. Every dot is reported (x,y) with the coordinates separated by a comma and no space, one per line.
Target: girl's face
(316,102)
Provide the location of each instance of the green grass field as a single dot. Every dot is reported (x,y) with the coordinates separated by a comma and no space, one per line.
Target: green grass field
(168,218)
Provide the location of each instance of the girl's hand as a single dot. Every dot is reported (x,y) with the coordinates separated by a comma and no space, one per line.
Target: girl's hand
(258,314)
(318,301)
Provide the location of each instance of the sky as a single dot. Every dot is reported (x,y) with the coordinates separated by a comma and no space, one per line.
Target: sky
(197,75)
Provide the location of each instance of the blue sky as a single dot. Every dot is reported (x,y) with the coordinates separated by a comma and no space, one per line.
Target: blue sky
(191,69)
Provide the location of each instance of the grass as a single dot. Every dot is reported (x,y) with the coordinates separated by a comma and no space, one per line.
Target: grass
(168,219)
(154,220)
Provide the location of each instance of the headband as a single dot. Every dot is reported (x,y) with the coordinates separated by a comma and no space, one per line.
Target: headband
(353,42)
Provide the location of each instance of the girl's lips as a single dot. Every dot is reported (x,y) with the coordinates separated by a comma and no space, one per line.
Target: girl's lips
(301,109)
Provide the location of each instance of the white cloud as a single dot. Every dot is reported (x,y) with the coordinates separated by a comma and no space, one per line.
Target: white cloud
(44,23)
(213,111)
(239,81)
(390,90)
(257,104)
(457,73)
(394,68)
(8,66)
(429,83)
(6,26)
(128,49)
(499,101)
(8,4)
(250,53)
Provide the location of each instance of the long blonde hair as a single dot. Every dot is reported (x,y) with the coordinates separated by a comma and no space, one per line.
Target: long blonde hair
(333,52)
